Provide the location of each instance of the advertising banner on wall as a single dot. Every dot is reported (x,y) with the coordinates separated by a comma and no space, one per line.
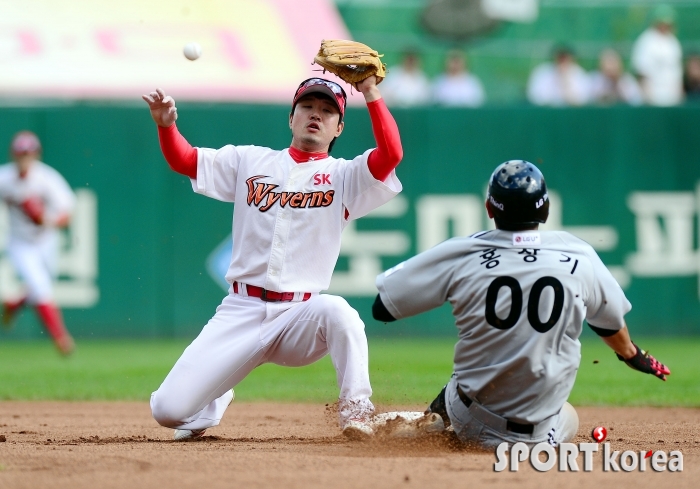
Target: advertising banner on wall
(146,256)
(252,50)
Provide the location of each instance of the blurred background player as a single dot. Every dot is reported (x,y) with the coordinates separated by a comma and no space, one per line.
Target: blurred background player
(40,201)
(519,297)
(560,83)
(611,84)
(457,87)
(657,59)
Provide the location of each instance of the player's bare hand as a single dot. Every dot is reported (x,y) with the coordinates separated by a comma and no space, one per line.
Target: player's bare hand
(368,88)
(162,107)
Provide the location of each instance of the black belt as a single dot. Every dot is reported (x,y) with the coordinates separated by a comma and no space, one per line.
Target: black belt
(523,429)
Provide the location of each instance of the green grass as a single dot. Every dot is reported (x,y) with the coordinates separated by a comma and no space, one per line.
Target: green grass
(611,382)
(403,371)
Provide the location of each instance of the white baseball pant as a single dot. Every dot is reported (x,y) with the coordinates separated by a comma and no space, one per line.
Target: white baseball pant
(35,263)
(246,332)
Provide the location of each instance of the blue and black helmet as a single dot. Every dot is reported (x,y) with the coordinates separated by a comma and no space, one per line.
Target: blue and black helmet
(517,195)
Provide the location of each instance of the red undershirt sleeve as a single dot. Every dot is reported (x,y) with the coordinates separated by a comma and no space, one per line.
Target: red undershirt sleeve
(389,152)
(179,154)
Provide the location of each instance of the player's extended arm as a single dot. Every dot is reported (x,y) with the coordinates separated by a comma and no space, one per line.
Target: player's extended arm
(179,154)
(631,354)
(389,152)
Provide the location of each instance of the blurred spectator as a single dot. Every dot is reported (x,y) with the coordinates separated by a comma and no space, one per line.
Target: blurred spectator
(611,85)
(657,59)
(691,81)
(457,87)
(406,85)
(560,83)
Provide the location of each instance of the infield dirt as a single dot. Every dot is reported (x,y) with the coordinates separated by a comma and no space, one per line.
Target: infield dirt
(266,445)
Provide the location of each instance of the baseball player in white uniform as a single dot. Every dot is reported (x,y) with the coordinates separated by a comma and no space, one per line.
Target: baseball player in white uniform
(519,297)
(290,209)
(40,201)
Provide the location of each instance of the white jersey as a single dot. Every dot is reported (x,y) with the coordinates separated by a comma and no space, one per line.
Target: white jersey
(288,216)
(658,58)
(519,301)
(43,182)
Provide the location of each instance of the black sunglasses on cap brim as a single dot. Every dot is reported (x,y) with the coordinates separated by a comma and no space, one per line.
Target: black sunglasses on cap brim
(322,85)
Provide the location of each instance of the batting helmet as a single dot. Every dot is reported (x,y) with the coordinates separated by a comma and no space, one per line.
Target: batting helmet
(517,196)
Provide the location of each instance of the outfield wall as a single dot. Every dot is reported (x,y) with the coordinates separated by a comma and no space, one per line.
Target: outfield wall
(138,258)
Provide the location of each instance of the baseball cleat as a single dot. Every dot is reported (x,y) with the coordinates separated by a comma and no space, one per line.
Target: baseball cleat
(357,430)
(7,317)
(65,345)
(408,424)
(9,311)
(184,435)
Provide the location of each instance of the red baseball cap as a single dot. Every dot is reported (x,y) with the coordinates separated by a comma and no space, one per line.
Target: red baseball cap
(321,85)
(25,142)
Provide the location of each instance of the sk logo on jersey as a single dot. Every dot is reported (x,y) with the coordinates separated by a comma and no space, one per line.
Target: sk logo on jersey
(262,195)
(322,179)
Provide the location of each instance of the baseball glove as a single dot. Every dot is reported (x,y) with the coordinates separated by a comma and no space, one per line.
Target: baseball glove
(352,61)
(33,208)
(644,362)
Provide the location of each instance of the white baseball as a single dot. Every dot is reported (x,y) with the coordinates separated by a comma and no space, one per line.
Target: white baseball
(192,51)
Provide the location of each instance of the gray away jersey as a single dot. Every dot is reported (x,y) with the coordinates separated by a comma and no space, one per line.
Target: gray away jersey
(519,300)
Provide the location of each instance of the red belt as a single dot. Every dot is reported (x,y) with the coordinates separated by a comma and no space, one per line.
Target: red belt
(270,295)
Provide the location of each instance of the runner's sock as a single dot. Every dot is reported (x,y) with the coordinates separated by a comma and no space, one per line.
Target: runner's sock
(53,322)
